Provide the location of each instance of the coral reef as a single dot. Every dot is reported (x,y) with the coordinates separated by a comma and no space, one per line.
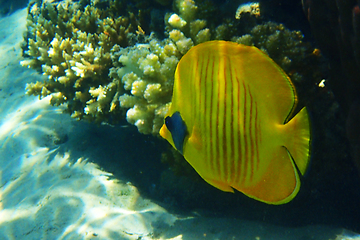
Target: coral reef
(106,65)
(96,64)
(103,65)
(146,72)
(72,47)
(252,8)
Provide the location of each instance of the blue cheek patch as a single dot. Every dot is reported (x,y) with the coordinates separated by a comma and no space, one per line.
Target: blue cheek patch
(177,127)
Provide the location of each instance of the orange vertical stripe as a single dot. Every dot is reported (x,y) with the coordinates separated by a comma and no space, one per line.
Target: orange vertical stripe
(250,160)
(257,145)
(224,137)
(217,114)
(245,157)
(193,83)
(208,112)
(232,159)
(239,160)
(213,136)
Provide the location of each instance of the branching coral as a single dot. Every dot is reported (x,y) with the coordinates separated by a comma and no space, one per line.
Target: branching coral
(75,46)
(72,47)
(146,72)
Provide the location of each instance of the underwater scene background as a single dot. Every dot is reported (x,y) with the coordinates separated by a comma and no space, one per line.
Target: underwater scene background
(85,87)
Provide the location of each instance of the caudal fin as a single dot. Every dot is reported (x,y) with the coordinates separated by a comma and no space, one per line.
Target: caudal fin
(298,144)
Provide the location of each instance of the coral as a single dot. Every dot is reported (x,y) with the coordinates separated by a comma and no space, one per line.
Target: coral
(252,8)
(282,45)
(72,47)
(176,21)
(94,67)
(146,72)
(187,9)
(182,43)
(297,58)
(103,65)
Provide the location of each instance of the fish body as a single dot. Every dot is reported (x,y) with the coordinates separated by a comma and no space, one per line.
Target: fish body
(231,117)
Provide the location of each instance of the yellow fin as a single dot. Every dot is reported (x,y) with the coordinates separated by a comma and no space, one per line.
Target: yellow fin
(223,186)
(276,188)
(298,143)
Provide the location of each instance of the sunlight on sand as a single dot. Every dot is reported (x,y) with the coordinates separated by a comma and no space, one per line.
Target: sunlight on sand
(65,200)
(45,196)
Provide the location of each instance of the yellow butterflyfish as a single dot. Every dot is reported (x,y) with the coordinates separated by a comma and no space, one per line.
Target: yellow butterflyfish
(231,117)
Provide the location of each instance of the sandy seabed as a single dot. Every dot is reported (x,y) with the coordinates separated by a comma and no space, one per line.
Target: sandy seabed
(46,193)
